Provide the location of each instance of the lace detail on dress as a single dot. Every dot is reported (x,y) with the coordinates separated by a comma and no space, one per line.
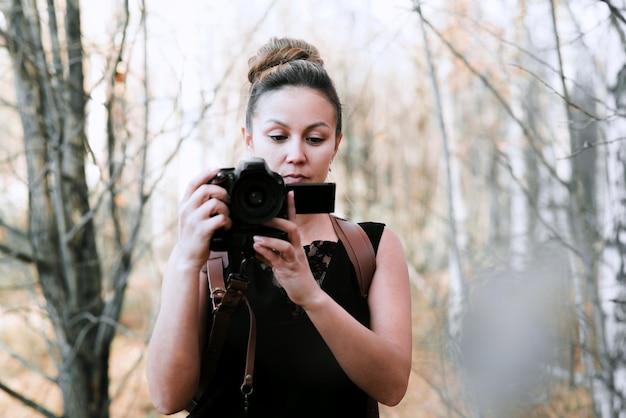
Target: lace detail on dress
(319,254)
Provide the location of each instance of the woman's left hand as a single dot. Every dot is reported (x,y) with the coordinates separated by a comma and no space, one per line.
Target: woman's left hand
(287,257)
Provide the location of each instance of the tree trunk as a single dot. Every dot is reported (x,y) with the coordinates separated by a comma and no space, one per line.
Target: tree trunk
(612,281)
(458,290)
(51,103)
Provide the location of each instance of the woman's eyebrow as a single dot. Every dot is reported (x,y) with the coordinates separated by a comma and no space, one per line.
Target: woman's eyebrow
(317,124)
(276,121)
(311,126)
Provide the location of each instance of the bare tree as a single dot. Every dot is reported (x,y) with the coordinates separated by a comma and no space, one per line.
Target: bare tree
(88,198)
(458,289)
(51,99)
(552,174)
(611,286)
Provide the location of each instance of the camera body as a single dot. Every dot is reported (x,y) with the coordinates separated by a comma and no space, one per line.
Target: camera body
(257,195)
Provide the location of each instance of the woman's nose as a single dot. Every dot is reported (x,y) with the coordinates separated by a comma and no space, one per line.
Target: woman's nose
(295,151)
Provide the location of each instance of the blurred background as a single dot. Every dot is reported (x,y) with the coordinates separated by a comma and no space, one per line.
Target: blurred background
(489,135)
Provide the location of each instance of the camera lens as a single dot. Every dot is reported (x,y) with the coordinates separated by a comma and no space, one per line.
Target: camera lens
(256,198)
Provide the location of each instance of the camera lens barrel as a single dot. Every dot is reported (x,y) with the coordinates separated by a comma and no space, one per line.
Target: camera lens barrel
(257,197)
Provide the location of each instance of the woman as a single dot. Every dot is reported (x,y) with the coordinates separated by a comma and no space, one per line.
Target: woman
(321,349)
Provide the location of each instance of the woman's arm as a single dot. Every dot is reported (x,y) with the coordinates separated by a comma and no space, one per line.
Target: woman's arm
(378,360)
(174,352)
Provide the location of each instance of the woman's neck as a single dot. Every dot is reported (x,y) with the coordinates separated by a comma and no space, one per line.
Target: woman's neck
(315,227)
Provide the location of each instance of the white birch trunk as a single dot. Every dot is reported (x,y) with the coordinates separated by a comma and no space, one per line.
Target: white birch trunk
(457,289)
(611,267)
(519,206)
(613,218)
(573,232)
(457,215)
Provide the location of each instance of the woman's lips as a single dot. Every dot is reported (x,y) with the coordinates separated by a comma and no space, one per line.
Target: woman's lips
(294,178)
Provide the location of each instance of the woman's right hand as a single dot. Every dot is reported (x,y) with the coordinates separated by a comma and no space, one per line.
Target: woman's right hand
(202,211)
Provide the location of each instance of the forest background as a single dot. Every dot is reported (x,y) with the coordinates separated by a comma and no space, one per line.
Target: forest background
(489,135)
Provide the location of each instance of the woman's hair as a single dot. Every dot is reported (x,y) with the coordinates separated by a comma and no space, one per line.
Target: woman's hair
(286,62)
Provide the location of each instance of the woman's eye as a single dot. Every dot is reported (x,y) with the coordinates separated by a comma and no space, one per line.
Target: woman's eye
(278,138)
(315,140)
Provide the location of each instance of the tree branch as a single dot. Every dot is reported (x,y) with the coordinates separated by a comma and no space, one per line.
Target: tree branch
(18,255)
(28,402)
(13,250)
(30,366)
(614,11)
(586,146)
(508,109)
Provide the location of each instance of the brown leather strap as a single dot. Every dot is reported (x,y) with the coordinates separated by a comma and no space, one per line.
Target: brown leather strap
(215,266)
(361,253)
(359,249)
(224,302)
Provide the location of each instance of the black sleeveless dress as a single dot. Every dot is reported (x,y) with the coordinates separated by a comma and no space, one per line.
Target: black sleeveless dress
(295,373)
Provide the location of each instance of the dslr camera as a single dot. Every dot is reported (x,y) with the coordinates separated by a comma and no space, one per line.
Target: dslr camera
(257,195)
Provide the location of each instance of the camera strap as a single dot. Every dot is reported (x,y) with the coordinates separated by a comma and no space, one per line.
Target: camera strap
(361,253)
(225,299)
(359,249)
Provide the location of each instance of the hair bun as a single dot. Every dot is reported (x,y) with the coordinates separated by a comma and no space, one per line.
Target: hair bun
(278,52)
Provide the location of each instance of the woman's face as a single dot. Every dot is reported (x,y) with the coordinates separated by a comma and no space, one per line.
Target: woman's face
(293,129)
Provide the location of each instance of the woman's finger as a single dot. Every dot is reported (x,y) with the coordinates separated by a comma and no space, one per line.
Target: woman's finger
(199,180)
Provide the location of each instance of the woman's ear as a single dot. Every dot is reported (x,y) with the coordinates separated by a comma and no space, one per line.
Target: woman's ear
(247,138)
(337,142)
